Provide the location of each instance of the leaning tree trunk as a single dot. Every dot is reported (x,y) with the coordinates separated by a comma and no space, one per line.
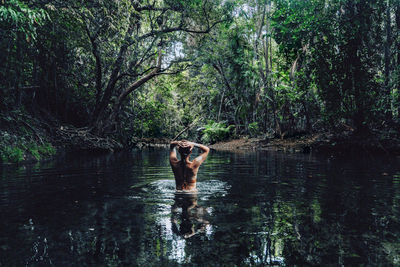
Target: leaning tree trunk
(98,115)
(107,122)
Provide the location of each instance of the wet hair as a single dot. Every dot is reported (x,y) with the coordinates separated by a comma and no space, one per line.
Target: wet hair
(185,150)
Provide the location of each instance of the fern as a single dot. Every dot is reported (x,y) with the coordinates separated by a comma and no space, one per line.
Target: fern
(216,131)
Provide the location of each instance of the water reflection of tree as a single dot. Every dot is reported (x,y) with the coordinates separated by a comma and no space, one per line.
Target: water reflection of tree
(302,215)
(315,215)
(343,219)
(68,219)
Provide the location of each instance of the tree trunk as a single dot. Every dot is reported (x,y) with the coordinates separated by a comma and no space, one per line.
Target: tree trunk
(398,57)
(220,105)
(258,58)
(220,70)
(101,106)
(388,42)
(269,90)
(121,98)
(307,115)
(18,68)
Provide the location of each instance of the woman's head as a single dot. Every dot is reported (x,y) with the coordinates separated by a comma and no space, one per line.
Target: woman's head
(184,149)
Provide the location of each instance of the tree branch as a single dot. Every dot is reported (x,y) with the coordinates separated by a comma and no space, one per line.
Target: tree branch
(221,72)
(176,29)
(138,63)
(140,82)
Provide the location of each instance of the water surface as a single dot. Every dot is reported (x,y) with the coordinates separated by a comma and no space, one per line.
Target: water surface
(251,209)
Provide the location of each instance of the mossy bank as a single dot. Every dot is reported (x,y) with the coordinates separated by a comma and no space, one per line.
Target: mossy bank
(22,139)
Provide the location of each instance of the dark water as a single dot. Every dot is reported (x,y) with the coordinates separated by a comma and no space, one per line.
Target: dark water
(251,209)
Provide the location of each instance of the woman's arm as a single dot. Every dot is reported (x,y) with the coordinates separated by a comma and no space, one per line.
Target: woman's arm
(172,152)
(205,150)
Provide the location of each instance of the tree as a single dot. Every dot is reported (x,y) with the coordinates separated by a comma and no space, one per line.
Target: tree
(18,27)
(343,42)
(143,46)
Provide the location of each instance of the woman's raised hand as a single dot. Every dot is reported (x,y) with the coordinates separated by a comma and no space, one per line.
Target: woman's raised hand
(185,143)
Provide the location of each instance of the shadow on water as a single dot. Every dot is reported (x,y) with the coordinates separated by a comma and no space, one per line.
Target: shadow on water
(251,209)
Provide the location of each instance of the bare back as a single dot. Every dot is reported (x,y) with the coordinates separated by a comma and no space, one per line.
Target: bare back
(185,175)
(185,171)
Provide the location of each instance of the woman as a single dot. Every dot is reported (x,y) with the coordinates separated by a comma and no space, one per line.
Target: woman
(185,171)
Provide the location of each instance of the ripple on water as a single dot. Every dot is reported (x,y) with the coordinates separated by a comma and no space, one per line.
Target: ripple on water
(165,190)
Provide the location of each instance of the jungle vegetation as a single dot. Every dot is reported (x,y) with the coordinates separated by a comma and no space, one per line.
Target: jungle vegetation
(152,68)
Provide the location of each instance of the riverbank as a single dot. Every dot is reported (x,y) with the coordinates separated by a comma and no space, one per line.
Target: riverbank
(345,142)
(25,139)
(320,142)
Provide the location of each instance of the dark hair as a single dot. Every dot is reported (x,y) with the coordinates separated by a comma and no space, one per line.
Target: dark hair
(186,150)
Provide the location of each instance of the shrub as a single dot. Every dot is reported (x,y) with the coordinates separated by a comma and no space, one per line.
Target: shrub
(11,154)
(216,131)
(47,149)
(253,129)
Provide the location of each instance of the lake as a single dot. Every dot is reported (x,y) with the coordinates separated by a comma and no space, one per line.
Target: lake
(251,209)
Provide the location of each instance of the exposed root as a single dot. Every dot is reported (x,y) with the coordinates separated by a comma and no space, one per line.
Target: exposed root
(83,139)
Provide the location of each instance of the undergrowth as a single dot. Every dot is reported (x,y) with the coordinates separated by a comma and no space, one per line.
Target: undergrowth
(20,141)
(14,149)
(216,131)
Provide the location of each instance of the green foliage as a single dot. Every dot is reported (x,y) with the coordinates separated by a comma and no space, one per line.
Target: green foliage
(17,153)
(150,119)
(19,142)
(11,154)
(47,149)
(331,45)
(216,131)
(254,129)
(33,150)
(18,14)
(38,151)
(263,66)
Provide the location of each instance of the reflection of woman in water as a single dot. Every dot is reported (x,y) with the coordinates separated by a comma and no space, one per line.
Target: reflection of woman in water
(191,220)
(185,171)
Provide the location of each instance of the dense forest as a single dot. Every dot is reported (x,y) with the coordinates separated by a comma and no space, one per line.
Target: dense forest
(104,73)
